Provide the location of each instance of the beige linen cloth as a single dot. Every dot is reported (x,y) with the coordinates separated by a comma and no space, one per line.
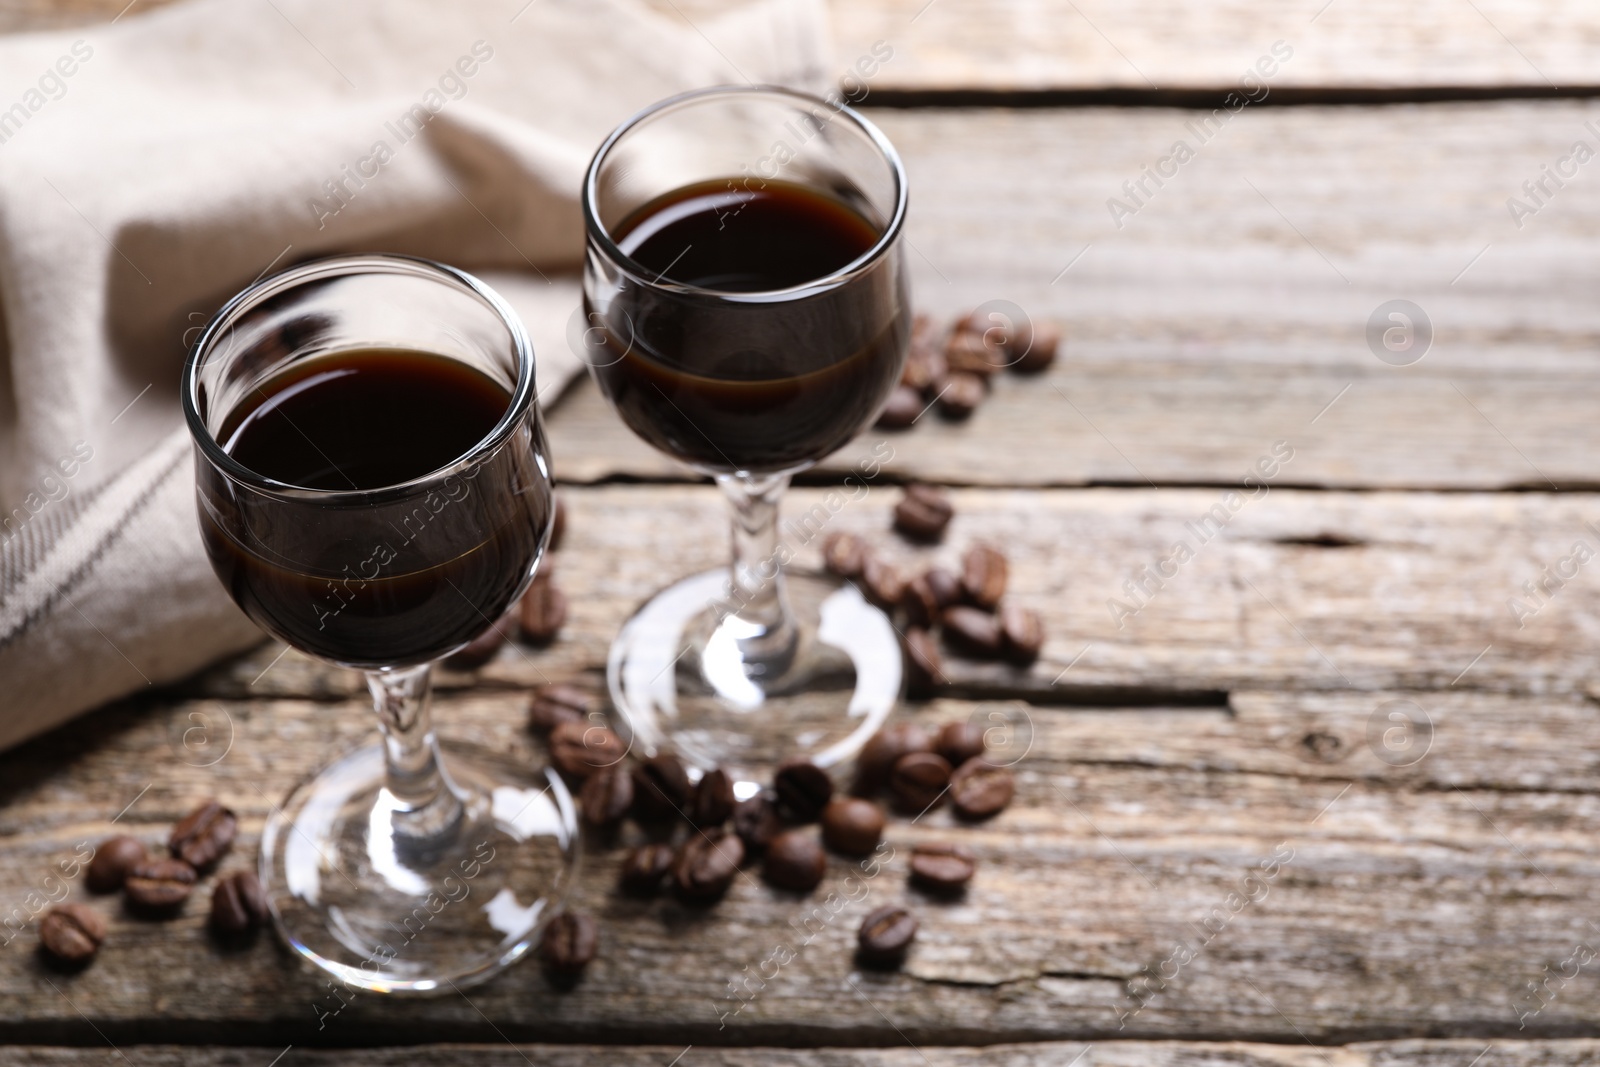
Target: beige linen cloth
(151,168)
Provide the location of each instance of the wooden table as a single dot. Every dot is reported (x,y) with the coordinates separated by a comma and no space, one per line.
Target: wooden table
(1431,887)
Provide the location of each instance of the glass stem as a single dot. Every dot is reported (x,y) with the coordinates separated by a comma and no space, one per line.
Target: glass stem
(767,632)
(426,809)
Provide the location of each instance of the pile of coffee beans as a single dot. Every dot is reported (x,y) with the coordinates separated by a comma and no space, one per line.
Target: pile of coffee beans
(537,618)
(158,886)
(950,368)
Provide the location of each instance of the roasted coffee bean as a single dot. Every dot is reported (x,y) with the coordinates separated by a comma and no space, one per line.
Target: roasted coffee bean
(904,405)
(879,755)
(881,582)
(843,554)
(924,368)
(969,630)
(558,524)
(238,904)
(942,868)
(569,942)
(960,394)
(795,861)
(482,649)
(959,742)
(645,869)
(979,789)
(543,610)
(660,789)
(919,603)
(924,665)
(923,513)
(712,801)
(757,822)
(886,934)
(1032,350)
(852,826)
(945,587)
(203,835)
(607,796)
(803,790)
(553,705)
(578,749)
(113,859)
(983,575)
(975,351)
(1021,634)
(706,864)
(918,781)
(72,933)
(159,885)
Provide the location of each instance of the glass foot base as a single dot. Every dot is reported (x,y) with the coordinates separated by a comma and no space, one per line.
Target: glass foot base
(378,912)
(680,681)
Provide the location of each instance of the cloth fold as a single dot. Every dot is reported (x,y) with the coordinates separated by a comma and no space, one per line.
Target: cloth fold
(152,168)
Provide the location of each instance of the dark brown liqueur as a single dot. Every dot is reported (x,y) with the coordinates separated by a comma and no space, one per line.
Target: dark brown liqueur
(765,383)
(401,577)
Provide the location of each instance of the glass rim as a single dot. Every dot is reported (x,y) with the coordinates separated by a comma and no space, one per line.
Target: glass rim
(259,291)
(598,233)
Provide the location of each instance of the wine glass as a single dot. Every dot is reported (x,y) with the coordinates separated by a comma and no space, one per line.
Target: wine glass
(373,490)
(748,314)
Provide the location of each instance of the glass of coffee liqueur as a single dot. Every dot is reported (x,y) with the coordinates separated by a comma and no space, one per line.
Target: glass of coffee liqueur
(374,490)
(748,314)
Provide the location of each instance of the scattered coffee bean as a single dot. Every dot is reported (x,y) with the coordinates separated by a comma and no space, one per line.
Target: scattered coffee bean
(886,934)
(924,665)
(852,826)
(881,582)
(72,933)
(1034,350)
(977,633)
(919,602)
(757,822)
(645,869)
(923,513)
(238,904)
(960,741)
(159,885)
(918,781)
(482,649)
(803,790)
(113,859)
(712,801)
(1021,634)
(882,750)
(553,705)
(543,609)
(706,864)
(606,797)
(974,351)
(203,835)
(843,553)
(925,362)
(983,575)
(569,943)
(558,524)
(660,789)
(904,405)
(942,868)
(979,789)
(960,394)
(578,749)
(795,861)
(945,587)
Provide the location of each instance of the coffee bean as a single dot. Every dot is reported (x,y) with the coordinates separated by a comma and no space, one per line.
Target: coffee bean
(558,523)
(881,582)
(918,781)
(203,835)
(942,868)
(923,513)
(960,394)
(803,790)
(578,749)
(945,587)
(925,363)
(924,665)
(919,603)
(238,904)
(159,885)
(886,934)
(959,742)
(795,861)
(606,796)
(72,933)
(645,868)
(543,610)
(660,789)
(878,756)
(553,705)
(569,943)
(712,801)
(113,859)
(974,351)
(843,554)
(756,821)
(482,649)
(1034,350)
(979,789)
(983,575)
(852,826)
(902,409)
(974,632)
(1021,634)
(706,864)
